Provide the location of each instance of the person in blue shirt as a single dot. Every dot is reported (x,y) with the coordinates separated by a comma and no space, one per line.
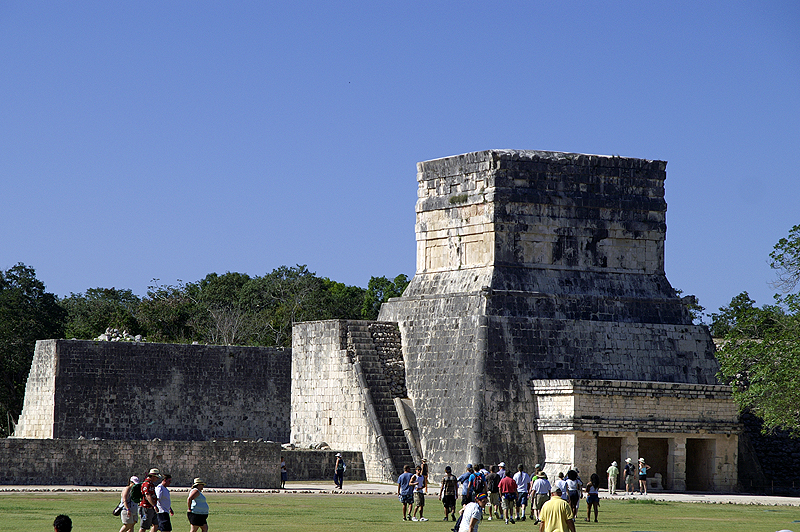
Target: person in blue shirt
(405,492)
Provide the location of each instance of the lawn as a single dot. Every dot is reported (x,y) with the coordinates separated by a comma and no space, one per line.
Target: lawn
(91,512)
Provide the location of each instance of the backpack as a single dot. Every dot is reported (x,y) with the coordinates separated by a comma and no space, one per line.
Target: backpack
(479,485)
(136,493)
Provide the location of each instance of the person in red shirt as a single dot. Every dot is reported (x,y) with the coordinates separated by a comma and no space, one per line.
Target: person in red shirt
(508,497)
(147,508)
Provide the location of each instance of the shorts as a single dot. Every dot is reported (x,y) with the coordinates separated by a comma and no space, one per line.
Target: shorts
(522,499)
(465,500)
(539,499)
(593,498)
(508,503)
(129,518)
(197,519)
(164,524)
(284,476)
(494,498)
(406,499)
(449,501)
(629,480)
(419,499)
(574,497)
(147,516)
(642,477)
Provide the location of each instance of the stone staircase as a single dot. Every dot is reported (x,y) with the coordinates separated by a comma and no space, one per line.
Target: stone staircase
(370,344)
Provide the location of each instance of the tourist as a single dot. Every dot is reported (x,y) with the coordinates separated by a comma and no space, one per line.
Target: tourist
(613,473)
(164,504)
(198,507)
(502,469)
(477,482)
(472,514)
(493,491)
(405,492)
(574,489)
(129,514)
(284,473)
(338,471)
(62,523)
(464,482)
(523,481)
(147,506)
(447,493)
(508,498)
(593,496)
(418,482)
(556,514)
(629,476)
(643,476)
(541,493)
(561,484)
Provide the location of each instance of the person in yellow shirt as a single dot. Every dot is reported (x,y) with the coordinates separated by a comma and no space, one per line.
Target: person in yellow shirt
(556,514)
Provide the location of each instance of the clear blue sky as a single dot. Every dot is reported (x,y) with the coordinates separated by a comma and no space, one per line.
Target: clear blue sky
(168,140)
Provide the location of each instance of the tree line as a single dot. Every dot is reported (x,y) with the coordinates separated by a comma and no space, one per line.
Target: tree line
(220,309)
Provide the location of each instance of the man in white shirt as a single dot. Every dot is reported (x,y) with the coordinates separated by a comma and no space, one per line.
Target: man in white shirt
(164,504)
(523,480)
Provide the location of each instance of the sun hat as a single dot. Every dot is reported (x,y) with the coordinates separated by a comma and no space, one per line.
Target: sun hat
(641,459)
(628,460)
(339,455)
(135,479)
(198,481)
(614,463)
(154,473)
(542,474)
(501,464)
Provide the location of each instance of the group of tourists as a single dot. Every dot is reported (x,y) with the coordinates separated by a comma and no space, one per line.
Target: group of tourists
(150,504)
(553,507)
(631,473)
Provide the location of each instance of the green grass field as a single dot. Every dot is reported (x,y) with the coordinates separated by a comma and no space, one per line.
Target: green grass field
(91,512)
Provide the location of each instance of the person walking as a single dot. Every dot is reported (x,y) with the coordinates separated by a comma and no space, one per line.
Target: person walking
(447,493)
(473,514)
(556,514)
(540,491)
(523,481)
(129,514)
(613,473)
(284,473)
(508,497)
(164,504)
(147,506)
(493,491)
(593,496)
(198,507)
(338,471)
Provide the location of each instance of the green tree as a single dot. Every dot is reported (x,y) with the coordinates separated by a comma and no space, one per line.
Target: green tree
(27,313)
(760,355)
(379,290)
(89,314)
(171,314)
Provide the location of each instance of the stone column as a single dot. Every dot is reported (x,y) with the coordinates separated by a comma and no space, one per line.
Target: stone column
(676,463)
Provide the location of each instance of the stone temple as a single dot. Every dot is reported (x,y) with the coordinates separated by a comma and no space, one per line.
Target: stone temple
(539,327)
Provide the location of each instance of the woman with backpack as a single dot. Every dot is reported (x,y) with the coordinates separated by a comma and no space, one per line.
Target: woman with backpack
(130,510)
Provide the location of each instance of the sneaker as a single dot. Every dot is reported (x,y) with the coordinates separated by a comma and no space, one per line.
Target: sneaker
(506,521)
(445,519)
(522,518)
(512,521)
(423,518)
(454,516)
(490,518)
(414,519)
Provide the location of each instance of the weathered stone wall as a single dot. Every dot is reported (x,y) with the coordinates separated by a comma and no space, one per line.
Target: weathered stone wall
(535,265)
(230,464)
(223,464)
(331,402)
(133,391)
